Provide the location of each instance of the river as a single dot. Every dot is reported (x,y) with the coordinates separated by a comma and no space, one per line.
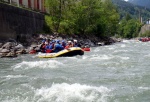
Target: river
(114,73)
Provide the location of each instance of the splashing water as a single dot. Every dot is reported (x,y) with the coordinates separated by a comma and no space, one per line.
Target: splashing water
(73,93)
(115,73)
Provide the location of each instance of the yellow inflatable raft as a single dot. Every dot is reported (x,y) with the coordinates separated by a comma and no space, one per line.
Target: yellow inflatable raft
(73,51)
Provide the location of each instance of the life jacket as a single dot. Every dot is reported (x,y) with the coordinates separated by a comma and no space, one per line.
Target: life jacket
(67,47)
(47,47)
(51,46)
(58,47)
(48,50)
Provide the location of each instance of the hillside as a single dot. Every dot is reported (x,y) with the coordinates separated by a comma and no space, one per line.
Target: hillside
(134,10)
(144,3)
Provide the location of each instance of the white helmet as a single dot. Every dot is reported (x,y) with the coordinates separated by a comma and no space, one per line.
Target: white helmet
(69,41)
(75,40)
(46,43)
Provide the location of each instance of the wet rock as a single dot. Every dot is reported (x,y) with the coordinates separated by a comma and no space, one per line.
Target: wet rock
(12,48)
(33,46)
(11,54)
(0,49)
(3,54)
(0,55)
(8,45)
(5,51)
(22,51)
(1,44)
(19,46)
(37,48)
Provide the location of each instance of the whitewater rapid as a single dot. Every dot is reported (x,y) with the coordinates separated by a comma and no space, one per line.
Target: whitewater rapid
(114,73)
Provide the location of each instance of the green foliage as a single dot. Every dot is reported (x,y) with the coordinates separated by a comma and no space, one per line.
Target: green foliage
(111,18)
(48,21)
(125,8)
(97,17)
(128,17)
(129,29)
(129,25)
(146,34)
(82,17)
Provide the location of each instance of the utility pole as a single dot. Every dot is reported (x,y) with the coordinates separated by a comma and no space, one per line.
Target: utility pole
(141,20)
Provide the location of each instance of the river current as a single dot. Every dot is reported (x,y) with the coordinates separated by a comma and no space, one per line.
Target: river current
(114,73)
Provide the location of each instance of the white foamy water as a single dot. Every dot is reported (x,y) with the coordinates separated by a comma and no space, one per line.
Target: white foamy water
(14,76)
(115,73)
(123,45)
(144,88)
(101,57)
(73,93)
(111,48)
(127,41)
(121,51)
(38,64)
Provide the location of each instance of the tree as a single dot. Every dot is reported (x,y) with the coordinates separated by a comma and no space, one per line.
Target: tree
(82,17)
(130,28)
(111,18)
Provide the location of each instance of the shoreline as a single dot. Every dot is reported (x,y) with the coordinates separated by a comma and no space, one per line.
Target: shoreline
(12,48)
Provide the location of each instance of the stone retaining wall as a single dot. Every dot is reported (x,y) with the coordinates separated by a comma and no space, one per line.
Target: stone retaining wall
(18,23)
(145,28)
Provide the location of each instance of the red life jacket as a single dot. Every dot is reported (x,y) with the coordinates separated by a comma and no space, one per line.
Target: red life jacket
(67,47)
(48,51)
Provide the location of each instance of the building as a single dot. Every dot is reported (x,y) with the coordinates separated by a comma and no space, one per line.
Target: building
(32,4)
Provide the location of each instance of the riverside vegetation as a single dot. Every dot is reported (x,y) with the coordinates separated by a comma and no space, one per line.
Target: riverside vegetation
(89,17)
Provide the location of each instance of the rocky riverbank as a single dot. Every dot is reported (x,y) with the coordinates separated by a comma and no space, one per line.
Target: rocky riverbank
(12,48)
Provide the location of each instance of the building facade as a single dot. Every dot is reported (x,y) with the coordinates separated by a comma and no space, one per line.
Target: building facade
(32,4)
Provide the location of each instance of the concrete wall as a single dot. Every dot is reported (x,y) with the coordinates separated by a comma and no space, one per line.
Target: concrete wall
(145,28)
(19,23)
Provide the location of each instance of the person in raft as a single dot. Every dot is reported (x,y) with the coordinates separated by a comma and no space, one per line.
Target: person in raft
(48,48)
(42,47)
(57,46)
(63,43)
(76,44)
(69,45)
